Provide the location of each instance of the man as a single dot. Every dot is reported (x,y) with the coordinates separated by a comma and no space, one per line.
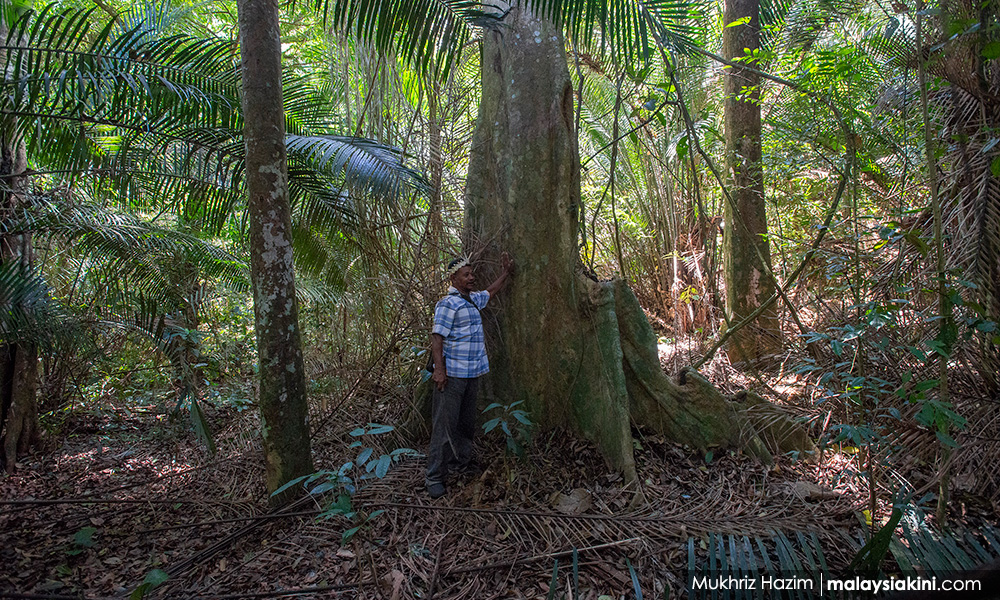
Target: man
(459,351)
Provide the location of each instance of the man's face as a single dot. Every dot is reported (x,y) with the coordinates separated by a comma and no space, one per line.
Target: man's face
(463,279)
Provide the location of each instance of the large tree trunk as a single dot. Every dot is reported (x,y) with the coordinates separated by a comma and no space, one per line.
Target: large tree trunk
(282,399)
(579,353)
(747,277)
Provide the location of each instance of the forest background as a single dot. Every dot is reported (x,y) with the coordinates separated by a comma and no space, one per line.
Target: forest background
(130,354)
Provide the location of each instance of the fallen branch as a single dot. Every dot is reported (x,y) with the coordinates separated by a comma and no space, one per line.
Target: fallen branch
(175,571)
(267,517)
(110,501)
(277,594)
(538,557)
(18,596)
(437,565)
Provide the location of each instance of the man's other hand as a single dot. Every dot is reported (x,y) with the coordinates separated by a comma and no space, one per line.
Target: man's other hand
(440,378)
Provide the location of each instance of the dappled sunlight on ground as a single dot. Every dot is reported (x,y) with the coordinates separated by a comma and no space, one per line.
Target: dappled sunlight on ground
(159,502)
(146,497)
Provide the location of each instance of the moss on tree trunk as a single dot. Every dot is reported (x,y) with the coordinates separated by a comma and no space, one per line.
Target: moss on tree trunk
(282,391)
(579,353)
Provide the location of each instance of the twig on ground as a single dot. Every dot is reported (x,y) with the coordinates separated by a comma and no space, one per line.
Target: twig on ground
(548,555)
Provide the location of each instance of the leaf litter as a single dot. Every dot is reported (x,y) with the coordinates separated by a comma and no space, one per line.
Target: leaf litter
(101,516)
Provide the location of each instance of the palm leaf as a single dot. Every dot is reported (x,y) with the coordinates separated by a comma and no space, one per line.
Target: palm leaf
(916,548)
(431,33)
(27,311)
(373,169)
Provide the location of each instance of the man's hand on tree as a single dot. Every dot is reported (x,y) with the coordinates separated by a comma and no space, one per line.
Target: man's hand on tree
(508,269)
(440,378)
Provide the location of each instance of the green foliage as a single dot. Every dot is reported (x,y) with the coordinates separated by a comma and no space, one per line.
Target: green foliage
(554,582)
(432,33)
(133,129)
(82,541)
(573,588)
(150,582)
(869,559)
(27,310)
(636,588)
(200,424)
(155,117)
(513,422)
(345,480)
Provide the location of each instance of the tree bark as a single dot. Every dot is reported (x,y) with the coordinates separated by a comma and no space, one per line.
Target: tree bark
(282,390)
(19,383)
(579,353)
(748,279)
(18,357)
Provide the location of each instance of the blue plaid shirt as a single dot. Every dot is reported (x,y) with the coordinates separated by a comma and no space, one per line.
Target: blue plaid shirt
(461,326)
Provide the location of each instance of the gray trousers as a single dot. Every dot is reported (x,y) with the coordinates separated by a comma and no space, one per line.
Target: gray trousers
(453,423)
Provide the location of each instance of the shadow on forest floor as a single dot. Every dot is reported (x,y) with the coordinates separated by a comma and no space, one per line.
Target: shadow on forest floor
(126,495)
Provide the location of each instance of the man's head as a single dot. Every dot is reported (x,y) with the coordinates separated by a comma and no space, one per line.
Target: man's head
(461,275)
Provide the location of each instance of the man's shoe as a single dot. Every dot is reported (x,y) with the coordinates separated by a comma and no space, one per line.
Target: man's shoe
(472,469)
(436,490)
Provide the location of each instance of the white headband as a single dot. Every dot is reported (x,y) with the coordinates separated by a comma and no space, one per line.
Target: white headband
(454,269)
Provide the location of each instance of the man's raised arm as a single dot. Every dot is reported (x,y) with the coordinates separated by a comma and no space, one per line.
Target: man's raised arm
(501,281)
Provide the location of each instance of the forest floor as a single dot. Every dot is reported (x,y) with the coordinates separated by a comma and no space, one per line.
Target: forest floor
(127,496)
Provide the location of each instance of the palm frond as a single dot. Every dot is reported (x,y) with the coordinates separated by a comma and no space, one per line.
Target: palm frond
(630,29)
(146,119)
(27,310)
(431,33)
(134,249)
(371,168)
(917,550)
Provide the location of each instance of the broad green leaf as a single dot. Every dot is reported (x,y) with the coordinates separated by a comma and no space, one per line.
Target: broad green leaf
(291,483)
(376,429)
(991,50)
(85,537)
(348,534)
(554,582)
(384,462)
(326,486)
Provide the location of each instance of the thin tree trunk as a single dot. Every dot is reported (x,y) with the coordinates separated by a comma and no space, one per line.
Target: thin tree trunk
(747,281)
(946,333)
(282,399)
(21,414)
(18,358)
(435,222)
